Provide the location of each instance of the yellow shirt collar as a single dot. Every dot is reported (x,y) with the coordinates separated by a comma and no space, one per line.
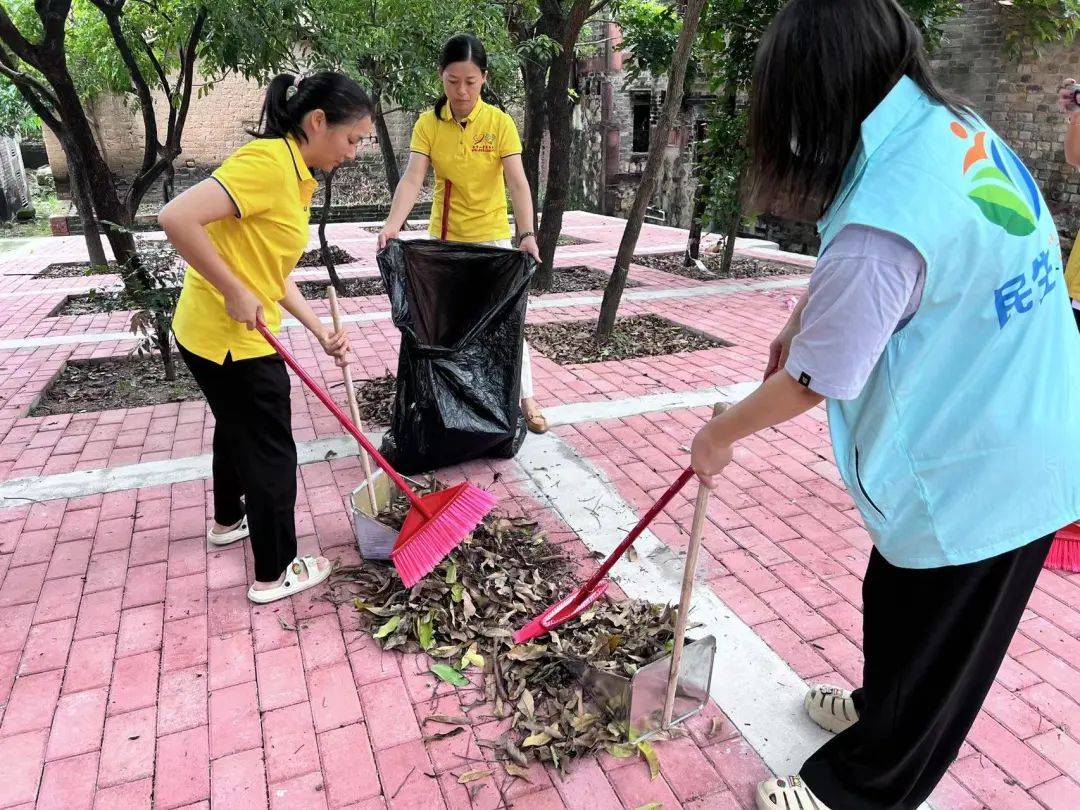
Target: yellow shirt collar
(448,113)
(302,170)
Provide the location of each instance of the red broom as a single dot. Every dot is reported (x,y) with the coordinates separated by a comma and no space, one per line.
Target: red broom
(581,599)
(1065,550)
(437,523)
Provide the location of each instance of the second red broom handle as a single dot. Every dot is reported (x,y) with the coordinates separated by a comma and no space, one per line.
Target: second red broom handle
(342,417)
(613,558)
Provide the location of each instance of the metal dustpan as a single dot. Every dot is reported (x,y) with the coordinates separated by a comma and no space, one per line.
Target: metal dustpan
(374,539)
(637,703)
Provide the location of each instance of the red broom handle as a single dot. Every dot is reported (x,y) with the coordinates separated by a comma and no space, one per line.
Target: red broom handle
(342,417)
(665,499)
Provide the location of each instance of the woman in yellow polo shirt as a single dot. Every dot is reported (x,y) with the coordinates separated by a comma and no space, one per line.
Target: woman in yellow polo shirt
(241,233)
(474,148)
(1070,105)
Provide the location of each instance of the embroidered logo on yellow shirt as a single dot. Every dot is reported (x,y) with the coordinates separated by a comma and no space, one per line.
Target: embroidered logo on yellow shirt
(483,142)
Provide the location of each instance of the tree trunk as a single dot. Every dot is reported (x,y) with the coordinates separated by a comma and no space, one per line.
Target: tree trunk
(733,224)
(559,110)
(164,345)
(324,217)
(693,245)
(672,103)
(386,146)
(85,207)
(168,183)
(532,75)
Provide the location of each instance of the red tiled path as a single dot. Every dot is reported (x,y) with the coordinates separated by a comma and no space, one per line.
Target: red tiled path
(132,668)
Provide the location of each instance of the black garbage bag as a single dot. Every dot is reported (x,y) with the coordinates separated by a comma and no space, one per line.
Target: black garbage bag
(461,312)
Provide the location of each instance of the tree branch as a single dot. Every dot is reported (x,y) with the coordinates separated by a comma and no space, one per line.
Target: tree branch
(151,144)
(53,14)
(178,113)
(13,38)
(9,68)
(35,94)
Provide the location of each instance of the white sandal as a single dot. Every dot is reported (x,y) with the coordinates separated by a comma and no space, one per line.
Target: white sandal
(831,708)
(292,583)
(231,536)
(787,794)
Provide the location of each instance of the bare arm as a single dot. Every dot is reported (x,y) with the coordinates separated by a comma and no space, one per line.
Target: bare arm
(184,221)
(408,189)
(521,197)
(776,400)
(335,344)
(1072,140)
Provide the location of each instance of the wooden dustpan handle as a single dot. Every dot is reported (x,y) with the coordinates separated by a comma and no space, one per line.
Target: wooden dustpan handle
(354,409)
(701,507)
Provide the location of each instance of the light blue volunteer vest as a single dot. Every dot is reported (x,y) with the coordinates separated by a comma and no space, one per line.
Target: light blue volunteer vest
(965,442)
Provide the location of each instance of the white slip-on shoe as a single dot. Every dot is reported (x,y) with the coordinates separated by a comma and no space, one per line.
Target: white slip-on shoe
(231,536)
(292,584)
(790,793)
(831,708)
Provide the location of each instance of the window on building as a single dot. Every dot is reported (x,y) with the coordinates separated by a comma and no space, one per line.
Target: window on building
(642,108)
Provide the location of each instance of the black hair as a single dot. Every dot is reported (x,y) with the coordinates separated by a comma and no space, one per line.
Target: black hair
(465,48)
(823,66)
(288,101)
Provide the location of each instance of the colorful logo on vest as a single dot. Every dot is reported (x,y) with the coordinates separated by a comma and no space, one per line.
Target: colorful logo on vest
(1001,185)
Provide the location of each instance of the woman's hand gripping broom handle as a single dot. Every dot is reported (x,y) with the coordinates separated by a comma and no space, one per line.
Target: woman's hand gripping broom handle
(342,417)
(354,409)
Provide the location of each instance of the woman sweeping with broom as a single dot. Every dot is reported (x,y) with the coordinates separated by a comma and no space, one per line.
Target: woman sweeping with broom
(938,328)
(241,233)
(475,151)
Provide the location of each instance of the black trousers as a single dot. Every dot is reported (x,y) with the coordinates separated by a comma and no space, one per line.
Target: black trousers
(254,453)
(933,641)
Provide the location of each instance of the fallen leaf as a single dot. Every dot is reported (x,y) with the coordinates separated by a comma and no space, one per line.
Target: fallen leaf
(448,720)
(447,673)
(649,753)
(442,735)
(388,628)
(516,770)
(650,806)
(533,740)
(472,776)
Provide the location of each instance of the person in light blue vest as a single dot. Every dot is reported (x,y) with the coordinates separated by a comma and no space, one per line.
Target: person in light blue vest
(938,328)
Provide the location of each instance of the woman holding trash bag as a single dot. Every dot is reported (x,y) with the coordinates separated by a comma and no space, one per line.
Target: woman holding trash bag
(474,148)
(938,328)
(241,233)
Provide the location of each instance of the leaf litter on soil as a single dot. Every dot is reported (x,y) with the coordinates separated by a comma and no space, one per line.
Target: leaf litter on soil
(463,615)
(574,342)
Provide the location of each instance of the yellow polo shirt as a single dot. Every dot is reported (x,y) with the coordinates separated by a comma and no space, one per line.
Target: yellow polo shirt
(470,192)
(1072,271)
(271,188)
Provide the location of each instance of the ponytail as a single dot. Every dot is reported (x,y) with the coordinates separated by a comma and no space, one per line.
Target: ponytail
(289,98)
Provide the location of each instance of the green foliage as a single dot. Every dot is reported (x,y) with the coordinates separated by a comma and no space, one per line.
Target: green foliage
(731,34)
(393,45)
(1034,23)
(650,29)
(16,117)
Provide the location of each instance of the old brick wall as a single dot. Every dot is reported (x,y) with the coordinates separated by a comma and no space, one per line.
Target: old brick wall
(1017,100)
(216,127)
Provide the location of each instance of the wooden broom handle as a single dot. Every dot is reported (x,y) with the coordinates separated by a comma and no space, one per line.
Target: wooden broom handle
(354,409)
(701,507)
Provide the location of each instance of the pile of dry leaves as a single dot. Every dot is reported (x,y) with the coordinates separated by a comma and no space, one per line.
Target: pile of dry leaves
(463,615)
